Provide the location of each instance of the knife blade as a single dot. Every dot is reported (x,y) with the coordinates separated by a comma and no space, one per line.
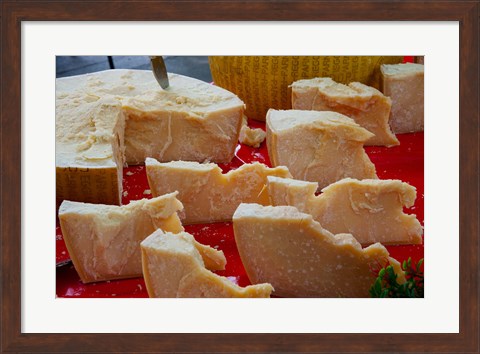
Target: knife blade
(160,71)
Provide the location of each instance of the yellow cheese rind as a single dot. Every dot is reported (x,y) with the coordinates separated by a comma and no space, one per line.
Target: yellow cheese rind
(291,251)
(207,194)
(365,104)
(173,267)
(404,84)
(371,210)
(321,147)
(104,240)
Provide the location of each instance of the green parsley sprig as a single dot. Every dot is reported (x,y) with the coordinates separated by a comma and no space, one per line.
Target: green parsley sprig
(386,284)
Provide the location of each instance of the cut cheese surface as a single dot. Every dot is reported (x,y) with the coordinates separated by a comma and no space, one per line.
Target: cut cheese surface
(89,151)
(104,240)
(113,117)
(370,210)
(291,251)
(365,104)
(321,147)
(206,194)
(404,84)
(173,267)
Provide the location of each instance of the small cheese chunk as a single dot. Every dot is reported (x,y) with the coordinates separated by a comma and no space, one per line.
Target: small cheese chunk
(113,117)
(371,210)
(365,104)
(291,251)
(321,147)
(249,136)
(206,193)
(104,240)
(173,267)
(403,83)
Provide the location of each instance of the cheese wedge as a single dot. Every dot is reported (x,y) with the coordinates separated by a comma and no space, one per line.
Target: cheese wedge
(404,84)
(291,251)
(365,104)
(104,240)
(371,209)
(89,151)
(173,267)
(109,118)
(321,147)
(206,193)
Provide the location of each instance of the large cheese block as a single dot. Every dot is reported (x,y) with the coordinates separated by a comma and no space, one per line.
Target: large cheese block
(111,117)
(321,147)
(104,240)
(207,194)
(294,253)
(173,267)
(365,104)
(404,84)
(371,209)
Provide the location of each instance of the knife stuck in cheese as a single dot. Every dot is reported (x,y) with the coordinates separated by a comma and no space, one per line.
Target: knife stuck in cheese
(104,240)
(288,249)
(321,147)
(371,209)
(112,117)
(206,194)
(173,267)
(364,104)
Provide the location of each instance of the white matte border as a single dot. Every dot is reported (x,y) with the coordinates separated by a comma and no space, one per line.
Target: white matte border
(438,312)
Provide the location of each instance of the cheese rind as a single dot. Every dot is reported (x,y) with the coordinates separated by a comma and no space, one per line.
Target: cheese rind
(206,193)
(370,210)
(173,267)
(113,117)
(365,104)
(104,240)
(404,84)
(321,147)
(291,251)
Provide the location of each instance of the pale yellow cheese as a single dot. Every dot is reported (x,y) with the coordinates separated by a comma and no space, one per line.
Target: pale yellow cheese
(173,267)
(249,136)
(371,209)
(111,117)
(206,193)
(104,240)
(404,84)
(89,151)
(291,251)
(365,104)
(321,147)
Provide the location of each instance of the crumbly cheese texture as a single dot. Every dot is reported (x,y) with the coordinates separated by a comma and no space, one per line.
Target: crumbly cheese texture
(291,251)
(104,240)
(321,147)
(173,267)
(249,136)
(365,104)
(109,118)
(404,84)
(371,209)
(89,151)
(206,193)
